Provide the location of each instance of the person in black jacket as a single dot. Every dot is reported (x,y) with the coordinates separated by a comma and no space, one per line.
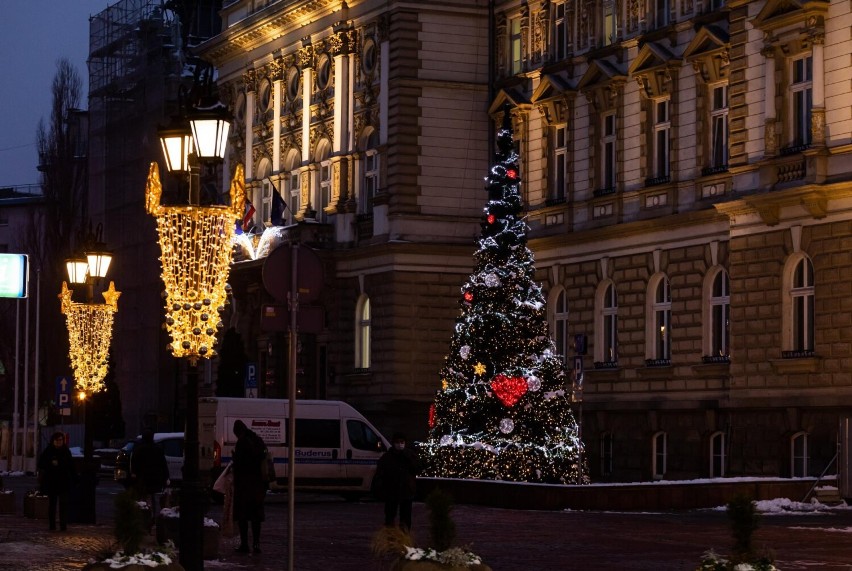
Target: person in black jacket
(56,474)
(249,485)
(149,471)
(397,472)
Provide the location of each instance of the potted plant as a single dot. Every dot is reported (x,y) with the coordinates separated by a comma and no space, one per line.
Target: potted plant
(744,520)
(130,533)
(442,556)
(7,500)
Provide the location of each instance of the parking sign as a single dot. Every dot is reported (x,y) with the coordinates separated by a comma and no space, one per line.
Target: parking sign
(63,395)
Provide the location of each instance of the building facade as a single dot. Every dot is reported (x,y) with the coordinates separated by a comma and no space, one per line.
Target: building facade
(686,168)
(688,182)
(368,118)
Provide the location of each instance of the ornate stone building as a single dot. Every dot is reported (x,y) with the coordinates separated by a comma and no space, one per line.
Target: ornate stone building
(368,118)
(687,173)
(688,180)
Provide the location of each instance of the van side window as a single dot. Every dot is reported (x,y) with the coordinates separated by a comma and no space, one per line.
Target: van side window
(173,447)
(317,433)
(362,436)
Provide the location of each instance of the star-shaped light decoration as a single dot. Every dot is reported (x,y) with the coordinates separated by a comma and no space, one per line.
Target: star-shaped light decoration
(444,384)
(479,368)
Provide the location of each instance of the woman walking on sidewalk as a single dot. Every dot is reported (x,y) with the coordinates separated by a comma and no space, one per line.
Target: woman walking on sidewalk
(56,474)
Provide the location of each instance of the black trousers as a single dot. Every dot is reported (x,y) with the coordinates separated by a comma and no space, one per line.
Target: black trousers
(404,508)
(62,500)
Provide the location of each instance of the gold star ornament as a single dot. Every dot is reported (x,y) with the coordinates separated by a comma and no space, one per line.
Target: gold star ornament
(479,368)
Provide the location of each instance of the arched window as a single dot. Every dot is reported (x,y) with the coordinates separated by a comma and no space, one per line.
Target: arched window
(717,316)
(659,344)
(717,455)
(606,331)
(362,333)
(798,302)
(799,455)
(606,454)
(658,455)
(559,304)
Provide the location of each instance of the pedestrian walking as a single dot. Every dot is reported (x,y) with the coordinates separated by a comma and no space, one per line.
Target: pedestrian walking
(397,484)
(149,471)
(249,485)
(56,476)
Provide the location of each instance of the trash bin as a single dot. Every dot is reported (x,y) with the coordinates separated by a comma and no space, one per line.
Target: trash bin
(81,503)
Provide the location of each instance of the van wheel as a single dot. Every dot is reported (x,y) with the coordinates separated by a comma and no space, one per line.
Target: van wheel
(351,496)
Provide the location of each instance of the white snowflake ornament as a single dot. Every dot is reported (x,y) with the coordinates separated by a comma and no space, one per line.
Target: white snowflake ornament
(507,426)
(491,280)
(446,440)
(464,351)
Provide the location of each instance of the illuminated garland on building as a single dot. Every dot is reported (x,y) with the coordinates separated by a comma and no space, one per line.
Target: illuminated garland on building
(196,252)
(89,337)
(503,411)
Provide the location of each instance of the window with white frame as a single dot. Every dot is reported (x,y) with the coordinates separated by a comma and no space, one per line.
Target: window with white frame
(719,126)
(802,294)
(801,99)
(265,200)
(662,316)
(608,164)
(609,324)
(560,323)
(717,455)
(662,135)
(661,12)
(371,172)
(560,163)
(799,455)
(610,22)
(515,54)
(606,454)
(720,315)
(658,455)
(325,190)
(294,192)
(363,333)
(560,31)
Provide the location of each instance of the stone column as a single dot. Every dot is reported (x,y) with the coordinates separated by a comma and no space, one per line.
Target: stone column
(818,111)
(770,140)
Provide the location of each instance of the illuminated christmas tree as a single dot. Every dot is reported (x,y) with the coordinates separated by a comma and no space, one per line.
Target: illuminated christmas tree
(503,411)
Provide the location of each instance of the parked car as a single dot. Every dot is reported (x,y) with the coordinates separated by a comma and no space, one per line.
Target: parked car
(172,445)
(106,456)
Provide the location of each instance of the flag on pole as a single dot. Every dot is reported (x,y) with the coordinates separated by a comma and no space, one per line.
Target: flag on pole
(248,217)
(278,206)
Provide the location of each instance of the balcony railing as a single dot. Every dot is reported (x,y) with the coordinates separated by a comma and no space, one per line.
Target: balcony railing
(708,359)
(653,181)
(798,354)
(604,191)
(658,362)
(707,171)
(606,365)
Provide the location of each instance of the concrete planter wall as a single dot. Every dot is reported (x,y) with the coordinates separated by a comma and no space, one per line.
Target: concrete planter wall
(7,503)
(35,507)
(168,528)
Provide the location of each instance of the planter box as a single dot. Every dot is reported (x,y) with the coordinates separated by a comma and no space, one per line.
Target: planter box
(35,507)
(168,528)
(133,567)
(7,503)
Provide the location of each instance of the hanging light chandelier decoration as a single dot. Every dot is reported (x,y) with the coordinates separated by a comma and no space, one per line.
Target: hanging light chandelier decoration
(89,335)
(196,252)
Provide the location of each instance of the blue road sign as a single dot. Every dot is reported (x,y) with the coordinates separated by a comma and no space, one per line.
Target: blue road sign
(251,375)
(64,386)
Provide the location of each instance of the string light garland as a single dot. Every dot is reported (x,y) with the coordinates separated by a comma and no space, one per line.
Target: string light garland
(89,337)
(503,411)
(196,252)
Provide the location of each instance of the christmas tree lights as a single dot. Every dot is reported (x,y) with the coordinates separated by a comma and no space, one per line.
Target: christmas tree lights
(503,411)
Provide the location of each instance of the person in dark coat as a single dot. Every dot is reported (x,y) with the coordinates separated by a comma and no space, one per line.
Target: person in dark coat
(249,485)
(149,471)
(397,472)
(56,473)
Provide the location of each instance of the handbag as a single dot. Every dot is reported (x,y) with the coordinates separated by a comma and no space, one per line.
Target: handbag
(225,481)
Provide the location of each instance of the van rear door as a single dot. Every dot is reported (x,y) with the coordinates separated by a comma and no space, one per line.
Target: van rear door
(362,453)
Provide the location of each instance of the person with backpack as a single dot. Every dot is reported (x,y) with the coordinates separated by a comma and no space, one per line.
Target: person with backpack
(249,485)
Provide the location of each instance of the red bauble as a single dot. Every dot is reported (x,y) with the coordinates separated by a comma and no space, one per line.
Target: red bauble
(512,174)
(491,218)
(468,296)
(509,389)
(432,415)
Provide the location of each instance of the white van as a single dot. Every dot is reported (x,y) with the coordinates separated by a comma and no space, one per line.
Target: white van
(337,449)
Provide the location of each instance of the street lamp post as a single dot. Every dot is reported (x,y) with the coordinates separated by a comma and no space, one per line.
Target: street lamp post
(89,323)
(195,243)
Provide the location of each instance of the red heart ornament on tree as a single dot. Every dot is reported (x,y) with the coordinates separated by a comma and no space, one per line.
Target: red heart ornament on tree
(509,389)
